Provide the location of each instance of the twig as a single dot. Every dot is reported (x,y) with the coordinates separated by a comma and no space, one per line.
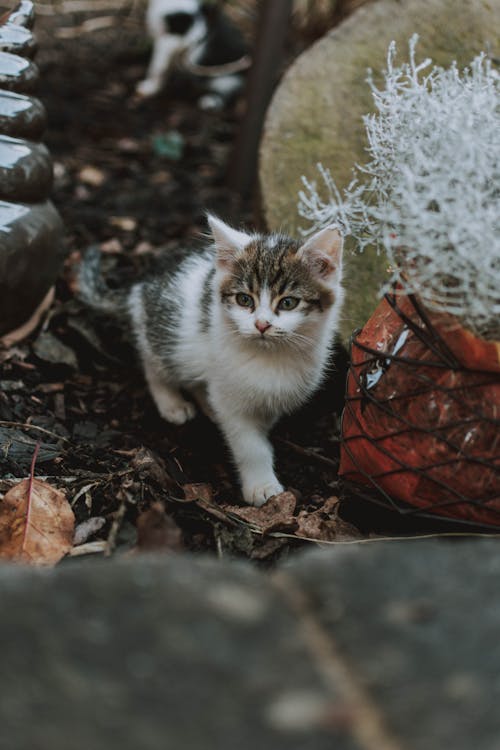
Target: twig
(29,494)
(115,527)
(308,452)
(87,27)
(89,548)
(25,426)
(373,540)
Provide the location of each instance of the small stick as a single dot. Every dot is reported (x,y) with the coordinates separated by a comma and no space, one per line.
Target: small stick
(24,426)
(29,493)
(308,452)
(115,528)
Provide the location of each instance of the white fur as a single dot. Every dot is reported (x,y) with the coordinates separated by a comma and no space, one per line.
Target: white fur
(251,379)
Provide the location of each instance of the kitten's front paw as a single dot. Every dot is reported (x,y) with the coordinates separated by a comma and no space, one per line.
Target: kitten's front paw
(147,88)
(178,413)
(258,494)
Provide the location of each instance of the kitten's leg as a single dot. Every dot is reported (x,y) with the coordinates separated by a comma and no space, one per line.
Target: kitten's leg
(221,89)
(200,395)
(169,400)
(253,454)
(164,49)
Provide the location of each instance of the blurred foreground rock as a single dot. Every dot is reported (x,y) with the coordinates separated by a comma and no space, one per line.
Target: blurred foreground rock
(316,113)
(30,227)
(378,646)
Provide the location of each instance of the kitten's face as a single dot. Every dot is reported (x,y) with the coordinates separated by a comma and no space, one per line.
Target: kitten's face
(275,290)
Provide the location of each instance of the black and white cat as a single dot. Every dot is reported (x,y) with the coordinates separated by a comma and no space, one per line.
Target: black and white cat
(203,37)
(245,326)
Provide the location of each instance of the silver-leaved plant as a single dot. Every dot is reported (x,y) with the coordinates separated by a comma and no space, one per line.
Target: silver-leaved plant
(429,196)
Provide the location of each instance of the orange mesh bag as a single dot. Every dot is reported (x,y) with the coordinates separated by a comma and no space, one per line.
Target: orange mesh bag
(422,418)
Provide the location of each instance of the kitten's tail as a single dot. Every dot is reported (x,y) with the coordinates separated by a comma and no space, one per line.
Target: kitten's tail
(92,289)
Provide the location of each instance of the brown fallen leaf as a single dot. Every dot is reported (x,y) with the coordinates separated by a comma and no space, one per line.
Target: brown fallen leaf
(157,531)
(126,223)
(92,176)
(148,463)
(325,525)
(112,247)
(198,492)
(36,523)
(276,514)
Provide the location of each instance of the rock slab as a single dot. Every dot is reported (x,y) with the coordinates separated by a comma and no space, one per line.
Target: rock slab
(379,646)
(316,113)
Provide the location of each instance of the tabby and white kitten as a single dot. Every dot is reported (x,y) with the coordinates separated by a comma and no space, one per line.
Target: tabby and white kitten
(205,36)
(245,326)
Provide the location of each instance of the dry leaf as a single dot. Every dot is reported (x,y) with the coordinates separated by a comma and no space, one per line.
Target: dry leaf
(198,492)
(275,514)
(147,463)
(126,223)
(325,525)
(93,176)
(112,247)
(157,531)
(87,528)
(36,523)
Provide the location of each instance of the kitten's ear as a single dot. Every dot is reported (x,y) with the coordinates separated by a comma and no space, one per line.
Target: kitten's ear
(228,241)
(323,252)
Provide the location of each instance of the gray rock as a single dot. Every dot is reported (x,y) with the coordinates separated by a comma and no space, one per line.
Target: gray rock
(17,73)
(17,40)
(25,170)
(30,257)
(416,624)
(30,228)
(316,112)
(23,14)
(174,653)
(21,116)
(380,646)
(49,348)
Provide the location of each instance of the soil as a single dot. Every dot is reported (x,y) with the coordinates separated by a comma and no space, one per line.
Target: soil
(137,178)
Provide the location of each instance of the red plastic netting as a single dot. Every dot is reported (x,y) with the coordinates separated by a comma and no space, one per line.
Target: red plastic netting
(421,424)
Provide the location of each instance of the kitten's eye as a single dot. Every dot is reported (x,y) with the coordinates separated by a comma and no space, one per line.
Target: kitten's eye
(244,300)
(288,303)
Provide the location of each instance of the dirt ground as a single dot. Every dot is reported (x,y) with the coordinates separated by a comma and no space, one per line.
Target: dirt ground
(137,178)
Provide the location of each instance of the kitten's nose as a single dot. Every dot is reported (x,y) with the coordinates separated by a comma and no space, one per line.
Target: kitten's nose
(262,325)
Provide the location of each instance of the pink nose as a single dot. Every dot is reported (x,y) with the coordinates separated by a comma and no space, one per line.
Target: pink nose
(262,325)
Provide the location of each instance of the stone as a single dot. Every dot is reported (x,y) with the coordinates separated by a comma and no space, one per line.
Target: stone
(25,170)
(315,115)
(17,73)
(22,15)
(416,626)
(174,652)
(30,227)
(21,116)
(31,254)
(17,40)
(377,646)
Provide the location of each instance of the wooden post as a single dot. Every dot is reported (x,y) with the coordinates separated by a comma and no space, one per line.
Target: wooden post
(274,17)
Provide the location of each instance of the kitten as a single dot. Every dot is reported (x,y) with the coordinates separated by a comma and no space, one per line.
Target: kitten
(245,325)
(205,36)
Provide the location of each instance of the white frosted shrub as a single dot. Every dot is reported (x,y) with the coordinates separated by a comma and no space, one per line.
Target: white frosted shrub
(430,193)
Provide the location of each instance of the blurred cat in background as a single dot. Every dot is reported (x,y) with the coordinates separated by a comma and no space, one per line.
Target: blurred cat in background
(201,36)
